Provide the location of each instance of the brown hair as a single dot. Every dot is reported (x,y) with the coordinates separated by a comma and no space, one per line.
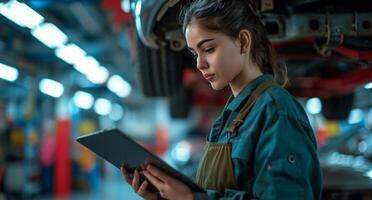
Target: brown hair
(230,17)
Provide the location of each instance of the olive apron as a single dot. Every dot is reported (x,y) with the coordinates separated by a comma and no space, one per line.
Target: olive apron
(215,170)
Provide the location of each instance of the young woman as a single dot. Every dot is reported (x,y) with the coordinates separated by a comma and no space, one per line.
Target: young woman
(262,145)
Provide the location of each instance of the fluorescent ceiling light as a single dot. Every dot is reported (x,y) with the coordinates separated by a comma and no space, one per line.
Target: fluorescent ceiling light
(83,100)
(70,53)
(85,64)
(356,116)
(182,151)
(50,35)
(51,88)
(117,112)
(314,106)
(21,14)
(98,75)
(8,73)
(102,106)
(125,6)
(119,86)
(369,174)
(368,86)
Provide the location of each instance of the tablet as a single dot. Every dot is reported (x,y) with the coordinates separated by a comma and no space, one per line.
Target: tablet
(115,147)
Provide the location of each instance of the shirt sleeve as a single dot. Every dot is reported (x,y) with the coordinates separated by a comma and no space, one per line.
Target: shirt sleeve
(286,164)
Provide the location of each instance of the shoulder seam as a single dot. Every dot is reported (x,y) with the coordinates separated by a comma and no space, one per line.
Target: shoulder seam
(278,114)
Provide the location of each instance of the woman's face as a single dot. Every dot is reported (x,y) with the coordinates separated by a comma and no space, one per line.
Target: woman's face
(218,56)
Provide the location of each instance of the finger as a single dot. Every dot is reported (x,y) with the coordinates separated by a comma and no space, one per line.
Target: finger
(136,181)
(154,180)
(158,173)
(125,174)
(143,188)
(142,167)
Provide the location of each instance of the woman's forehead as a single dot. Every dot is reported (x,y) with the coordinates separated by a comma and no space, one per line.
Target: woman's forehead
(197,28)
(195,32)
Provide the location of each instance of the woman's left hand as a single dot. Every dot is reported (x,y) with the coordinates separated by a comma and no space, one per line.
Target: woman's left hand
(169,187)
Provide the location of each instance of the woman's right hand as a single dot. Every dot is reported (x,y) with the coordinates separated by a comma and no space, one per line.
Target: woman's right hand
(140,189)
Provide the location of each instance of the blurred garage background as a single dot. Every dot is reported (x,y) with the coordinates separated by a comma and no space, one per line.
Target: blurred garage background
(71,67)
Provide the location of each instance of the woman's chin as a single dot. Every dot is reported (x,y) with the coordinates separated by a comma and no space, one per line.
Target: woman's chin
(217,86)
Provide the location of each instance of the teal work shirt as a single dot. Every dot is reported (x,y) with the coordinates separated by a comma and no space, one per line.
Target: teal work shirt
(274,151)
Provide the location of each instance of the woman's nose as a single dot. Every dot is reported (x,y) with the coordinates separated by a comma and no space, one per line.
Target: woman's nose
(200,63)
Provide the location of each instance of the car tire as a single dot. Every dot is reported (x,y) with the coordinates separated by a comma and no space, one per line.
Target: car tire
(160,71)
(148,67)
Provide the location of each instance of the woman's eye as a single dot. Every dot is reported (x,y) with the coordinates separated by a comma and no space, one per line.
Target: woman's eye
(209,50)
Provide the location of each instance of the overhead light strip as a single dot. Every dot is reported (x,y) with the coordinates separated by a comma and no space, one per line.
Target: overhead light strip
(8,73)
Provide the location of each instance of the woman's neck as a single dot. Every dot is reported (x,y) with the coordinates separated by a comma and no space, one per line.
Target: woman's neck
(247,75)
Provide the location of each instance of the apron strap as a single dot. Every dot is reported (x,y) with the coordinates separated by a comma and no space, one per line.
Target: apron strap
(234,125)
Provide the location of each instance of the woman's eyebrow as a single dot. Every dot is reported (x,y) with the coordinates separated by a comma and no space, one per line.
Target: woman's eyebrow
(200,43)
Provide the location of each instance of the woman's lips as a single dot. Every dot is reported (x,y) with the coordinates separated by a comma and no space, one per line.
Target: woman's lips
(209,77)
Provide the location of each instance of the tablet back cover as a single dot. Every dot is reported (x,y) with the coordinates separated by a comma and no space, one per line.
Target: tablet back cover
(115,147)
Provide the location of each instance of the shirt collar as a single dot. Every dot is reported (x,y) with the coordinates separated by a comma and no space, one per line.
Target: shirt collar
(234,102)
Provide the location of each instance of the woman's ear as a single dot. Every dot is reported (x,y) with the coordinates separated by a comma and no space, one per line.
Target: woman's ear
(245,41)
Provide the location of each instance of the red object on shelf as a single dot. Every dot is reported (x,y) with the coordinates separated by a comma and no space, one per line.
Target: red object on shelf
(321,136)
(62,165)
(355,54)
(161,139)
(118,16)
(328,86)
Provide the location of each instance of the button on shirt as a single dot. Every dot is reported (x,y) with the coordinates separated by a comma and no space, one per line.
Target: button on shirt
(274,150)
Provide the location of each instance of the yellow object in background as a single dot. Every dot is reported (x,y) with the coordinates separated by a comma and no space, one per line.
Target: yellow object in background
(16,137)
(86,157)
(332,128)
(86,126)
(33,137)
